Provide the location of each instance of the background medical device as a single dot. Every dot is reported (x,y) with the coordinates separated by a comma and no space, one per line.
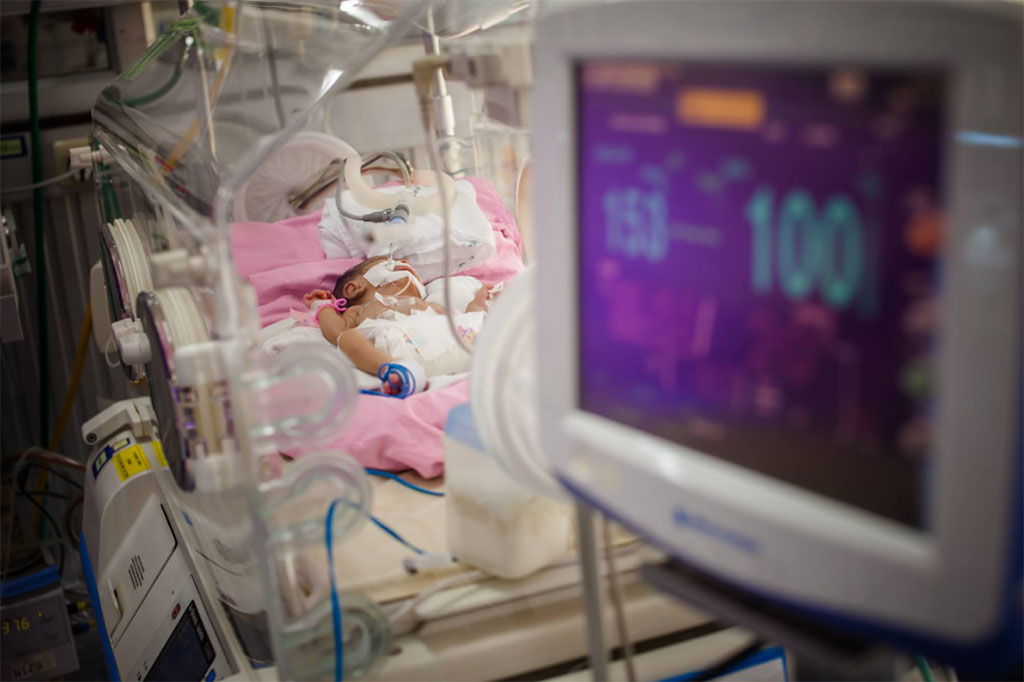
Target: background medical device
(157,615)
(782,300)
(35,629)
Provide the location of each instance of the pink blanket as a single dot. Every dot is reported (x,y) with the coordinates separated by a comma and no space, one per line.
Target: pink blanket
(283,261)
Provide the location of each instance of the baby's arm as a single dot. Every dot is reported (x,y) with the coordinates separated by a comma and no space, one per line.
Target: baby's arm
(480,301)
(340,330)
(361,351)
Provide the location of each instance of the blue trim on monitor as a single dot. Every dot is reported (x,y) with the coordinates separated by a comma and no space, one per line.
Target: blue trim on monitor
(981,139)
(29,583)
(762,656)
(991,655)
(94,596)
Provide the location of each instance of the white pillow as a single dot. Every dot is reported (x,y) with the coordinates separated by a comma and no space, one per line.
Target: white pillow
(463,289)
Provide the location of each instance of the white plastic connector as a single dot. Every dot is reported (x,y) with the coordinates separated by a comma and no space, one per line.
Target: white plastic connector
(176,268)
(200,363)
(84,157)
(422,563)
(135,415)
(132,342)
(476,70)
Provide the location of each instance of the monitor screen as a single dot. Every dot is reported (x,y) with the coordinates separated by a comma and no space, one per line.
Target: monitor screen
(759,261)
(187,654)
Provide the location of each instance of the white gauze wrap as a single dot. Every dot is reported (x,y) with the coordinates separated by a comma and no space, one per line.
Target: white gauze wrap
(382,273)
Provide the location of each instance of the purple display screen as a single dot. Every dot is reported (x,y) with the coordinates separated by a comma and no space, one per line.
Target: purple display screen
(758,266)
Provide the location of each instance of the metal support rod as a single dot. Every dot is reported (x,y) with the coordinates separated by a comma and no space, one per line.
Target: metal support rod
(444,116)
(593,596)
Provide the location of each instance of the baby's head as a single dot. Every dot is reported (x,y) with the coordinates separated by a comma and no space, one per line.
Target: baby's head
(377,275)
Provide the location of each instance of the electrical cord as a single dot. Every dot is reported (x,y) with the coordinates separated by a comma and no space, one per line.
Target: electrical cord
(44,493)
(54,472)
(398,619)
(142,100)
(387,474)
(53,523)
(390,531)
(339,640)
(404,167)
(52,457)
(403,620)
(617,601)
(924,668)
(400,210)
(43,183)
(40,454)
(69,518)
(36,558)
(81,353)
(730,661)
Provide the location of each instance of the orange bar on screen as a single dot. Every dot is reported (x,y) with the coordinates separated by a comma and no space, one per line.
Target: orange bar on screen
(720,108)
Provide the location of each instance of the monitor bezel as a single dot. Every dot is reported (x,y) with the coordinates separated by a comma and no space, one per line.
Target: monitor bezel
(770,536)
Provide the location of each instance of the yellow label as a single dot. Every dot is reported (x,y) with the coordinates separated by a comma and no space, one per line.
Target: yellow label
(130,462)
(159,450)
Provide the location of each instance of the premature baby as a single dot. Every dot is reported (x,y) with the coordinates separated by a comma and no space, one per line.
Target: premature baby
(379,316)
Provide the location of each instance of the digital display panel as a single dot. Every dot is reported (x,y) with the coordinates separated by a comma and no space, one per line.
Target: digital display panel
(188,653)
(758,266)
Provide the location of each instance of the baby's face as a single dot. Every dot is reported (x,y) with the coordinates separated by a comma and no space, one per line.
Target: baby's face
(400,286)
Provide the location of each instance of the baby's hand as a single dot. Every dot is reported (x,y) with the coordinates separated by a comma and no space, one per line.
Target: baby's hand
(480,300)
(316,295)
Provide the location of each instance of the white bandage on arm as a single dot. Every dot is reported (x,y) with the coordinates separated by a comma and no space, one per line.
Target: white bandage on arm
(317,306)
(412,374)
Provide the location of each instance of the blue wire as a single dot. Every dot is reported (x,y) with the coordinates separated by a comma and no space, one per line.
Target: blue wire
(387,529)
(339,642)
(399,479)
(367,391)
(408,381)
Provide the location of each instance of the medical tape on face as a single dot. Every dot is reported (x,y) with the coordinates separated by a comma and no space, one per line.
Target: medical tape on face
(381,274)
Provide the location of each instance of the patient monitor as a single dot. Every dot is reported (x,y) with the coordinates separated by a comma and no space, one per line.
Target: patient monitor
(781,256)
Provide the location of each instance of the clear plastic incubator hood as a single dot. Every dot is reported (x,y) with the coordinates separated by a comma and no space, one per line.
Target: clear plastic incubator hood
(223,143)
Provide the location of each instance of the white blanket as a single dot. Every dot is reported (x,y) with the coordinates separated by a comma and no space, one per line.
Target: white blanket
(446,364)
(421,241)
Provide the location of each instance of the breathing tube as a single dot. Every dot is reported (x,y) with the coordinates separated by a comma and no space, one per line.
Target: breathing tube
(391,208)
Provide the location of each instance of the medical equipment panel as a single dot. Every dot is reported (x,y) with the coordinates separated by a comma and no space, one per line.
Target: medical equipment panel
(36,631)
(760,263)
(783,331)
(189,643)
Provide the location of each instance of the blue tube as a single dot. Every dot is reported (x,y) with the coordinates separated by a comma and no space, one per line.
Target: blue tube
(339,640)
(387,529)
(399,479)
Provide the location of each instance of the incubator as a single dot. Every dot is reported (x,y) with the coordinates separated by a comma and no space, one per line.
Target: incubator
(259,150)
(256,152)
